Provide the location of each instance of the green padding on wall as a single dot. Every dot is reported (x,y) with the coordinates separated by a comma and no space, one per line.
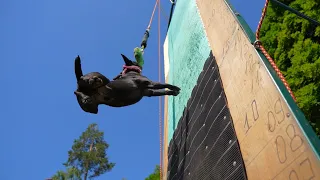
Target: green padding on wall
(188,50)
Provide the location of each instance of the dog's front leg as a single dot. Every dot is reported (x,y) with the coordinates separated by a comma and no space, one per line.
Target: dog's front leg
(95,81)
(90,82)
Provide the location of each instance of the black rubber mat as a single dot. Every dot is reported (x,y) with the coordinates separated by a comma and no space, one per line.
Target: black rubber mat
(204,145)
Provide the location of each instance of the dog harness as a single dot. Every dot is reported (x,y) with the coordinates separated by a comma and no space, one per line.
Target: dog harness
(133,68)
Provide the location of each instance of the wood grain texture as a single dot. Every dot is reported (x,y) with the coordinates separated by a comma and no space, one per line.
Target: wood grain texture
(165,115)
(271,141)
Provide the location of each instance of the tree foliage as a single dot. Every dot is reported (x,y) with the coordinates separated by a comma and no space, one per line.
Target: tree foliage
(87,157)
(155,175)
(71,174)
(293,42)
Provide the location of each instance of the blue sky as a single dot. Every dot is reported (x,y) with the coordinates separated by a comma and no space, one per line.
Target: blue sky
(40,117)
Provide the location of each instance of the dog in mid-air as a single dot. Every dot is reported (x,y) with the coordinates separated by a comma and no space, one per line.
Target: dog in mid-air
(126,89)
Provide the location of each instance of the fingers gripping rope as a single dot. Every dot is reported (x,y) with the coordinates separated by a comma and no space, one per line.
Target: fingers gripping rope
(259,45)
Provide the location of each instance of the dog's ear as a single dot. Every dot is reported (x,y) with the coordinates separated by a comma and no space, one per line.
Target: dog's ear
(127,61)
(86,103)
(77,68)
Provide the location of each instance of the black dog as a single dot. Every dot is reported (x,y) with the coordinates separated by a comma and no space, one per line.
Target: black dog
(127,89)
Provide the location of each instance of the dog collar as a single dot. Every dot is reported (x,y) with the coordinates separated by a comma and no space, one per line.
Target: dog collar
(134,68)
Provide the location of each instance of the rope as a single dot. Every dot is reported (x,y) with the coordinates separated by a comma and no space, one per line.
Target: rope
(146,34)
(160,103)
(164,13)
(259,45)
(159,75)
(154,10)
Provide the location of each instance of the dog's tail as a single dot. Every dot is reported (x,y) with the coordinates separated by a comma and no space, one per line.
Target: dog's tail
(127,61)
(77,68)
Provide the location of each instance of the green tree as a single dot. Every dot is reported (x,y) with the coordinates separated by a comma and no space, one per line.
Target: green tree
(155,175)
(87,158)
(60,175)
(293,42)
(88,153)
(71,174)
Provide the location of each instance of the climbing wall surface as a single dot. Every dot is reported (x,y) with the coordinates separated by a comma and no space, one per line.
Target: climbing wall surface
(185,52)
(192,156)
(275,139)
(204,145)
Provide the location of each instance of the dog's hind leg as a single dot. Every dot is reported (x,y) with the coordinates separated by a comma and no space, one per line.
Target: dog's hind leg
(159,92)
(157,85)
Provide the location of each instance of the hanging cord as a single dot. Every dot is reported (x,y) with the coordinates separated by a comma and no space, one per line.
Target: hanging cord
(143,46)
(146,34)
(159,74)
(164,13)
(259,45)
(154,10)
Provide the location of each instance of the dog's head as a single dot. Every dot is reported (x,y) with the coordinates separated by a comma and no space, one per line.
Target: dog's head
(86,103)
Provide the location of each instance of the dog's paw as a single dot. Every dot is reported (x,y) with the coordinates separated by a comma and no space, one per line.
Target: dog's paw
(176,93)
(98,80)
(91,81)
(175,88)
(173,93)
(95,80)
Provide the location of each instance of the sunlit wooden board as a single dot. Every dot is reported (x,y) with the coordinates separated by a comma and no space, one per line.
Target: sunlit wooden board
(165,118)
(271,141)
